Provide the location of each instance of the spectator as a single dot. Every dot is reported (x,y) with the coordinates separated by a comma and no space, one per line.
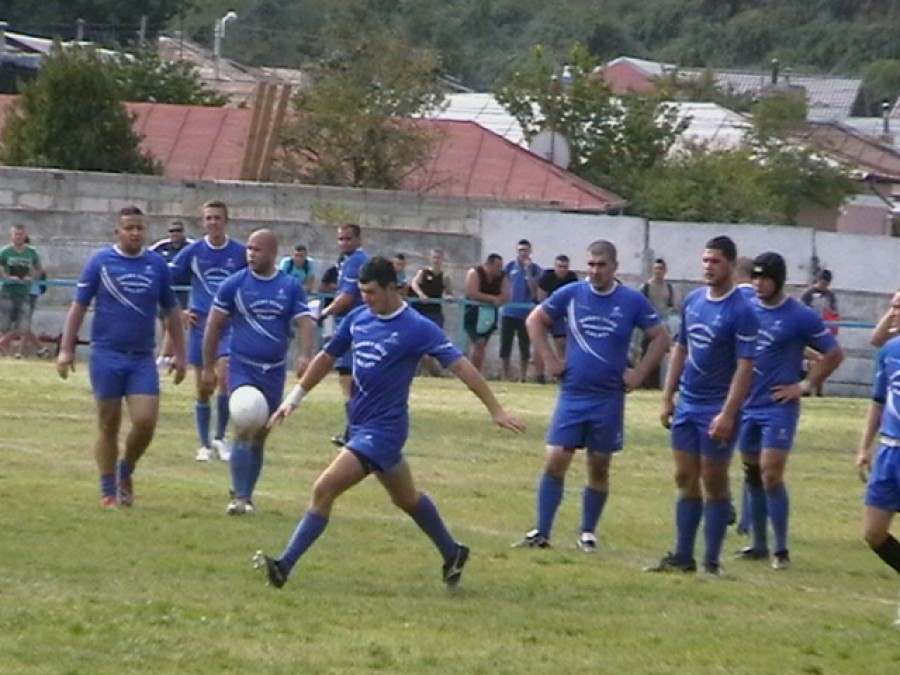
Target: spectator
(429,285)
(168,248)
(300,266)
(399,263)
(661,295)
(486,284)
(20,264)
(821,298)
(549,282)
(523,276)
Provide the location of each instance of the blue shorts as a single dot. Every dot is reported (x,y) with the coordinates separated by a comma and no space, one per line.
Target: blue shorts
(883,489)
(118,374)
(774,427)
(596,424)
(268,378)
(382,448)
(195,342)
(690,433)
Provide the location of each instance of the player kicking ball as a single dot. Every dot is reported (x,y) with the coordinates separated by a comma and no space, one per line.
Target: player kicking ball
(386,339)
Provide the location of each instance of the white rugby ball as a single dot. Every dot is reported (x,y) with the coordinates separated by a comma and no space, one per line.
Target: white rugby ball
(248,408)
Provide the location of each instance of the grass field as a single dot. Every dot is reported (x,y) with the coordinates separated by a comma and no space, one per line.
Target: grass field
(167,586)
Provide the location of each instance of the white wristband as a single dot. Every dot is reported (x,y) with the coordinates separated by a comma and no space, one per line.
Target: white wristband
(297,393)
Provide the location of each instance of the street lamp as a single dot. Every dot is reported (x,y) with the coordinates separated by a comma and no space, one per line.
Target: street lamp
(218,34)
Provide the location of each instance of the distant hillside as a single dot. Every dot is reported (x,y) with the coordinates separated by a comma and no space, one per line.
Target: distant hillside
(481,41)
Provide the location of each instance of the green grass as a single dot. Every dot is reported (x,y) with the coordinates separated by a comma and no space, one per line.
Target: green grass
(167,586)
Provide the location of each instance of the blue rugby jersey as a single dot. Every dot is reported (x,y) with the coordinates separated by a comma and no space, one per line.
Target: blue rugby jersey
(599,333)
(204,267)
(386,351)
(716,332)
(262,312)
(784,332)
(886,389)
(126,290)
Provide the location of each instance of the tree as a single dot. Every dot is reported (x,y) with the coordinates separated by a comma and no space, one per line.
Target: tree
(105,20)
(354,126)
(881,84)
(71,117)
(143,76)
(614,140)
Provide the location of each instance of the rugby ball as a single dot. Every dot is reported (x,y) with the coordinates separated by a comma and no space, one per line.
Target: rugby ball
(248,408)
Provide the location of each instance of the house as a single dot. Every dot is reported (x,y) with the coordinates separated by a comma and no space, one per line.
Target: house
(207,143)
(829,98)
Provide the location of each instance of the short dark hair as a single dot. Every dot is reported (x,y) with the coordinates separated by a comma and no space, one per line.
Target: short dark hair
(299,247)
(176,226)
(725,245)
(399,256)
(826,276)
(353,227)
(380,270)
(659,261)
(563,258)
(604,248)
(524,242)
(492,257)
(130,211)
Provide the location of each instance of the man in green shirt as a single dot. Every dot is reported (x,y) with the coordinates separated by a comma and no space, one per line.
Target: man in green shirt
(19,265)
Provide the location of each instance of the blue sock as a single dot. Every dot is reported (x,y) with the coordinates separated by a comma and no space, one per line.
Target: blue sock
(108,485)
(779,507)
(203,414)
(758,520)
(239,463)
(310,527)
(123,469)
(256,464)
(549,497)
(688,513)
(429,520)
(222,415)
(715,514)
(592,503)
(744,523)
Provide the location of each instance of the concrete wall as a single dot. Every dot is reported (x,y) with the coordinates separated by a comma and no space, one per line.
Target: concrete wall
(71,214)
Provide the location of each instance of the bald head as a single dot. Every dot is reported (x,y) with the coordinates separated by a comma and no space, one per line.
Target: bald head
(262,250)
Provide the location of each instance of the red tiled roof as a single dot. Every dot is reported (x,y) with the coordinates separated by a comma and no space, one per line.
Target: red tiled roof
(191,142)
(470,161)
(194,142)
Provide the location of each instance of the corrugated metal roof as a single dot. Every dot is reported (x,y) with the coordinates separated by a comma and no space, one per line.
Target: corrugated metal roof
(484,110)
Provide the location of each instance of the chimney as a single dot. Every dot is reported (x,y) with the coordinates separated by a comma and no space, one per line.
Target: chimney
(885,117)
(3,25)
(774,71)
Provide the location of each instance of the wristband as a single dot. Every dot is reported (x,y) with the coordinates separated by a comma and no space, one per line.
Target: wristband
(805,386)
(297,393)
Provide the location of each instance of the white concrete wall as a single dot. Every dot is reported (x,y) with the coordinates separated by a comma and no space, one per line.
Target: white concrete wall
(71,214)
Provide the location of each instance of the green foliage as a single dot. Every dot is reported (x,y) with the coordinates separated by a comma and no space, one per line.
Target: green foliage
(770,182)
(775,116)
(880,84)
(144,76)
(105,20)
(481,41)
(701,186)
(71,117)
(613,140)
(353,127)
